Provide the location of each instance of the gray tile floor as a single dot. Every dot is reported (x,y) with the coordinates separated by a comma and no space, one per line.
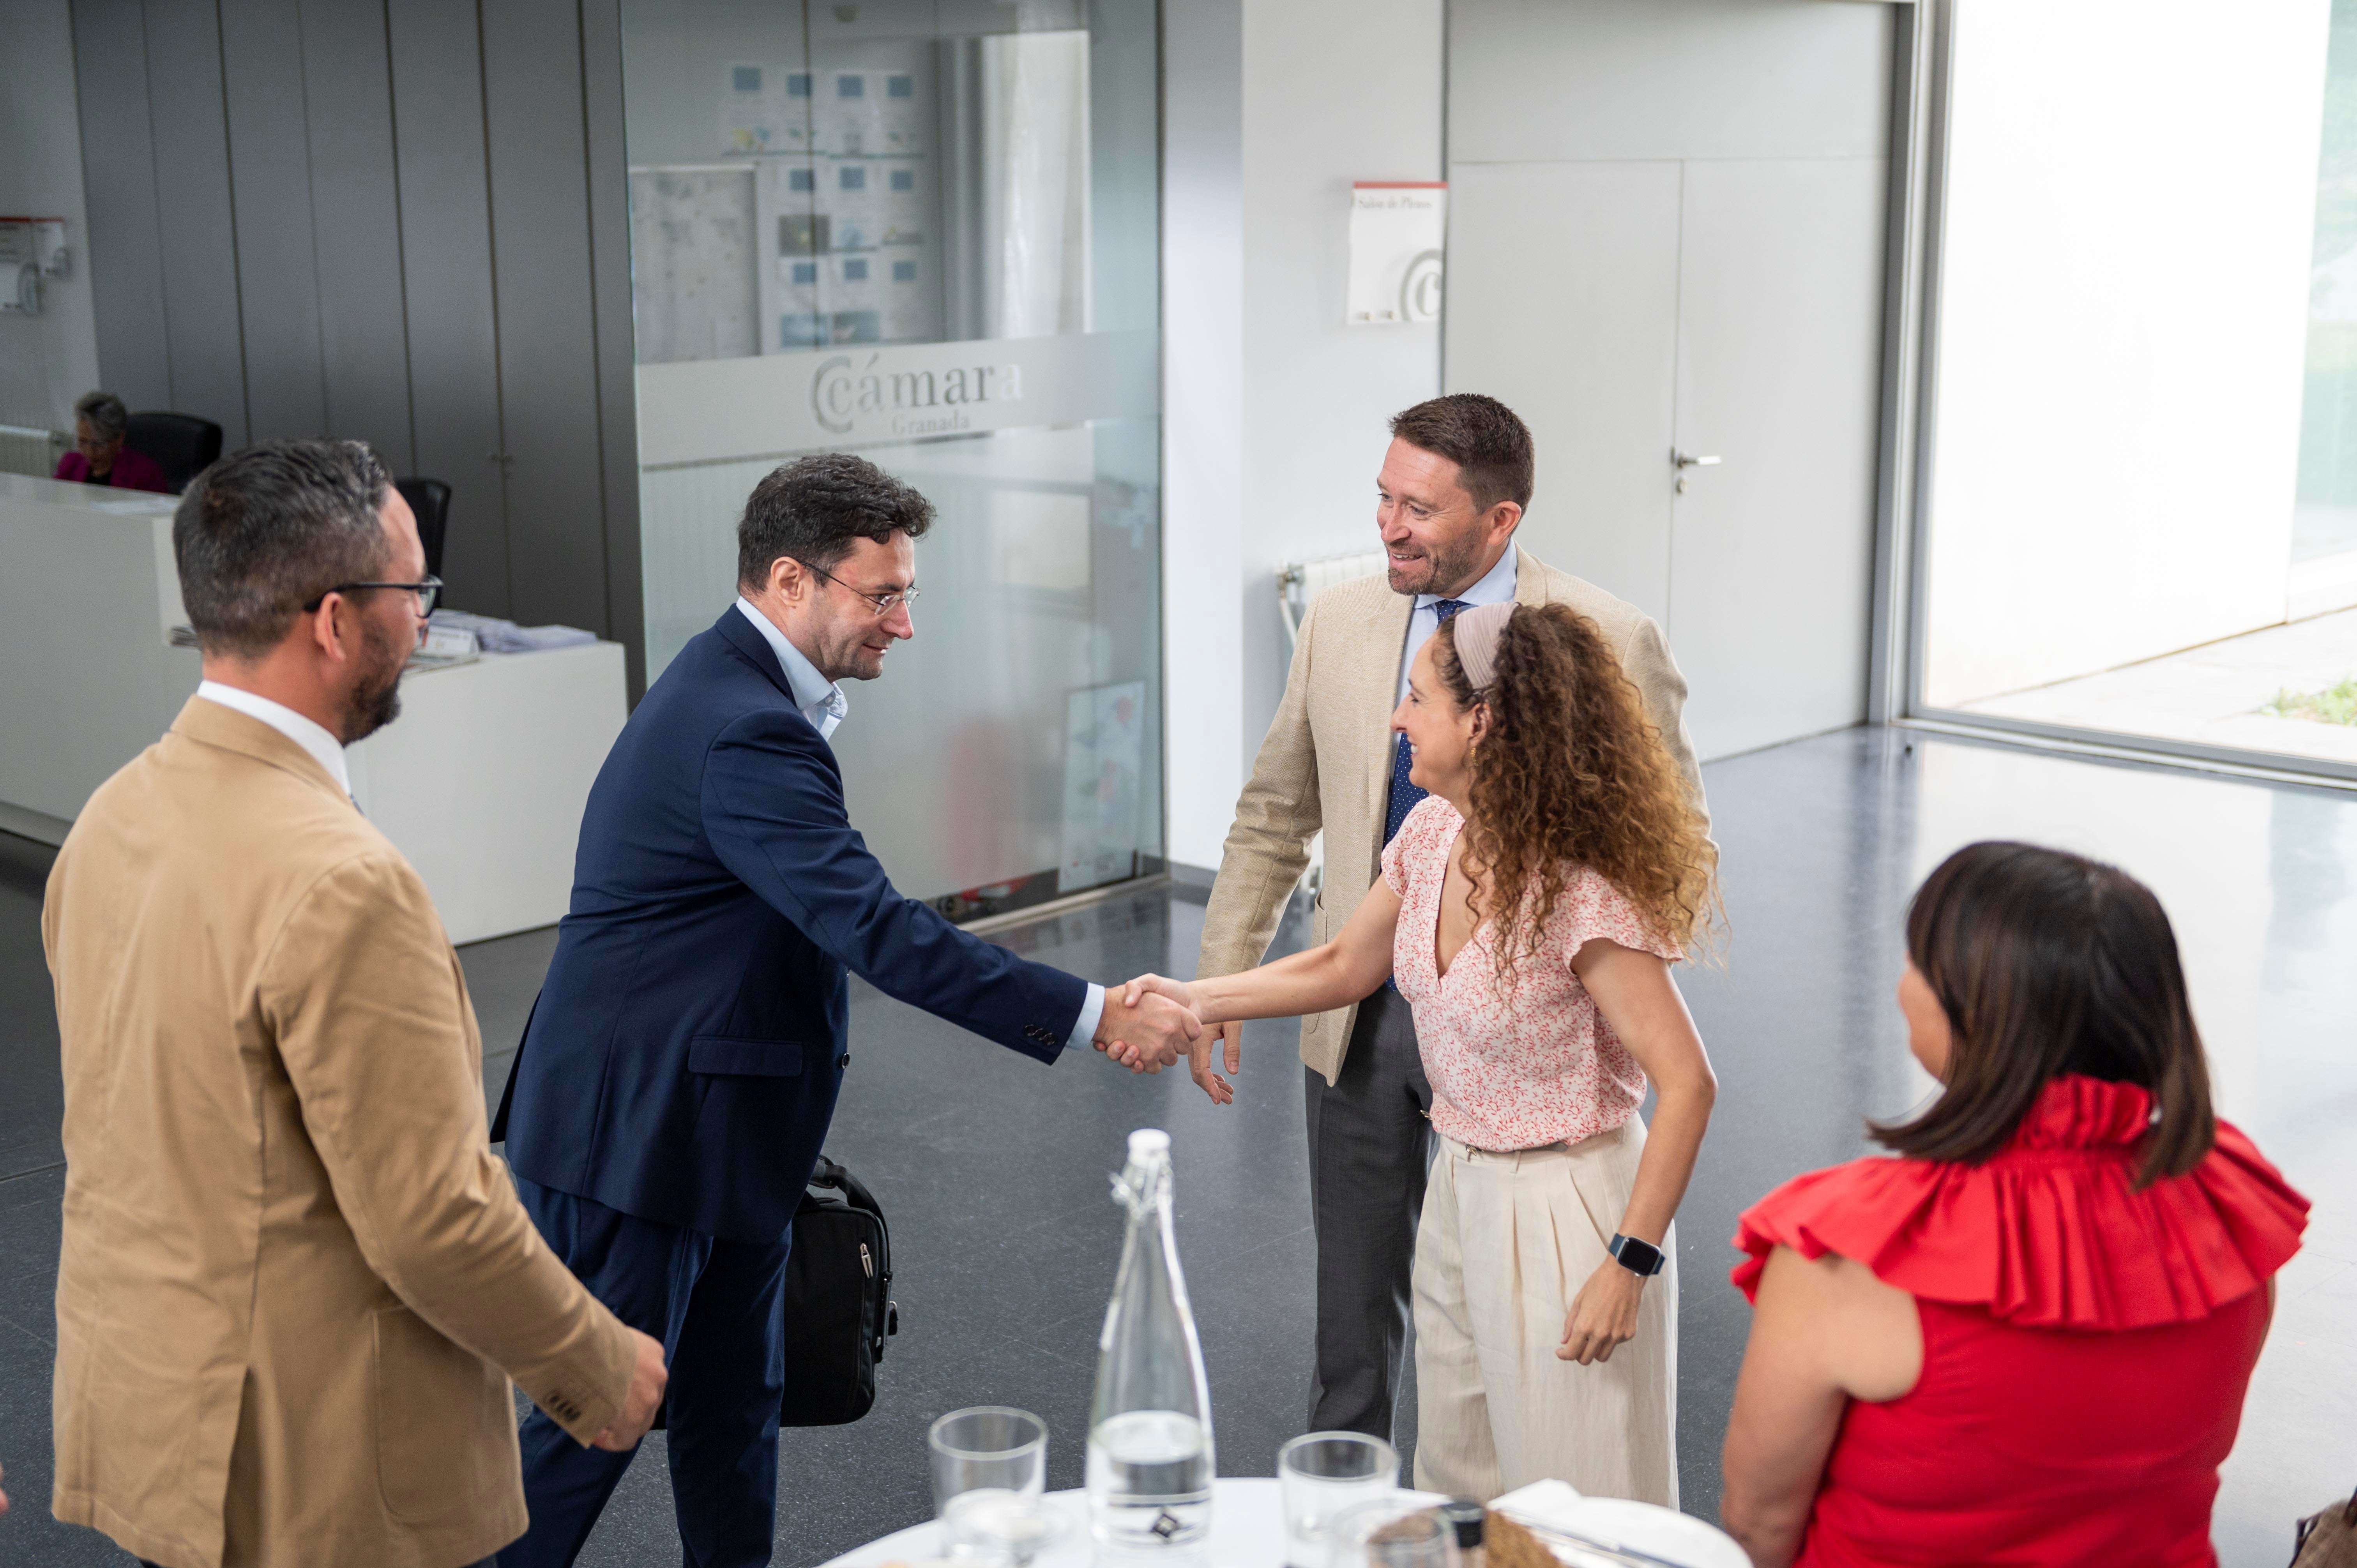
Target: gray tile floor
(992,1168)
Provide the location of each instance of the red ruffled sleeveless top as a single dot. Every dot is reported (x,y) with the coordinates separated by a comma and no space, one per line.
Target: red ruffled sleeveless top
(2085,1346)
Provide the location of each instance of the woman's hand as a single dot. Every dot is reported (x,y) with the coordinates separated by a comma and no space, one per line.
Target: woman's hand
(1603,1315)
(1199,1051)
(1179,990)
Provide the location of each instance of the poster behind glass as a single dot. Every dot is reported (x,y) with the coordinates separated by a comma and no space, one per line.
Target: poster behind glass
(924,232)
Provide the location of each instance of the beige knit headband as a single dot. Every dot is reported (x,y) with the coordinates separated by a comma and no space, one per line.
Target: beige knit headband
(1477,633)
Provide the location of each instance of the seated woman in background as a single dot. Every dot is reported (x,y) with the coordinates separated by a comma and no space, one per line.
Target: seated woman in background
(1529,911)
(2027,1341)
(99,456)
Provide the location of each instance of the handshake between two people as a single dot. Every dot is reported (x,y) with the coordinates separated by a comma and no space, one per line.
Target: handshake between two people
(1152,1022)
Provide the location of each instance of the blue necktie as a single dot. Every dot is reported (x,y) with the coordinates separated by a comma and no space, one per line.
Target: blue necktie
(1404,795)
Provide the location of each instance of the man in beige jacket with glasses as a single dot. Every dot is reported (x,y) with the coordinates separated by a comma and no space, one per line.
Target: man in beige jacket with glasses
(294,1280)
(1453,487)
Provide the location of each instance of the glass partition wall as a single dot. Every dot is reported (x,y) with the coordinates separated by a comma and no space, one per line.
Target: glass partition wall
(924,230)
(2138,525)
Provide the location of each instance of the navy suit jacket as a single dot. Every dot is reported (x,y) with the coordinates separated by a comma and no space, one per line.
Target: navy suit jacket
(683,1061)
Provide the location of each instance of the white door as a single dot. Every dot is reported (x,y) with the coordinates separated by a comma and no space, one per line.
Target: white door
(1780,309)
(1666,234)
(1563,304)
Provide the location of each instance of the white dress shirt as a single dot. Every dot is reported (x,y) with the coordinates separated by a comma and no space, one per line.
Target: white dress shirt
(303,732)
(823,702)
(1495,587)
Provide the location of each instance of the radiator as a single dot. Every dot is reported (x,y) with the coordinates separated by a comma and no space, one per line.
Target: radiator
(27,450)
(1302,581)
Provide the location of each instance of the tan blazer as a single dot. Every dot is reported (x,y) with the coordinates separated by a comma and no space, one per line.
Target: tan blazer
(293,1269)
(1327,764)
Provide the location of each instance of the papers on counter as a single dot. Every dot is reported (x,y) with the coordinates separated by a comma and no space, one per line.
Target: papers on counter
(138,505)
(495,636)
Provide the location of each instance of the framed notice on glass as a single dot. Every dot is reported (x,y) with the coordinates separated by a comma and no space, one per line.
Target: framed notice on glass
(1398,228)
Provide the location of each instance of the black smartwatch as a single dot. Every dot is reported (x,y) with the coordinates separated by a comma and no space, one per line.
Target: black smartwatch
(1640,1257)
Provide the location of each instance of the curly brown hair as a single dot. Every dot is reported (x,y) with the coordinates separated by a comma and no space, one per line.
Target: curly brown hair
(1570,772)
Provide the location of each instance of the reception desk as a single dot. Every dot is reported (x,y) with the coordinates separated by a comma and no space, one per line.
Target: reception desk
(480,782)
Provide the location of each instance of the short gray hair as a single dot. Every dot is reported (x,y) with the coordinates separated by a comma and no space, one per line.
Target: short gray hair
(108,418)
(266,529)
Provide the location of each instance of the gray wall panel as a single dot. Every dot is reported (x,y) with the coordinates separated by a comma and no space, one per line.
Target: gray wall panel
(400,220)
(270,175)
(194,214)
(609,258)
(445,258)
(356,225)
(125,259)
(548,360)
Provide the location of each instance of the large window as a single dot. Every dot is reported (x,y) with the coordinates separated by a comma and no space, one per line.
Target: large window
(2141,520)
(926,234)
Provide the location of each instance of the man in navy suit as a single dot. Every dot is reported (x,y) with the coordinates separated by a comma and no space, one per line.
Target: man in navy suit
(676,1079)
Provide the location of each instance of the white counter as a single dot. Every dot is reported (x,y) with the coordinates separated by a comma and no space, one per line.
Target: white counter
(480,782)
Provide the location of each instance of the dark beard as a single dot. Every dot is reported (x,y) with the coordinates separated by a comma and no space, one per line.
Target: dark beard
(377,701)
(1444,571)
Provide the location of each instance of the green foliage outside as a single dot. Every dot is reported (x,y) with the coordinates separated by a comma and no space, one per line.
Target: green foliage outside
(2333,705)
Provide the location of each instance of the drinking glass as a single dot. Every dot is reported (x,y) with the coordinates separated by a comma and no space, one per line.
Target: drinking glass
(1321,1474)
(990,1467)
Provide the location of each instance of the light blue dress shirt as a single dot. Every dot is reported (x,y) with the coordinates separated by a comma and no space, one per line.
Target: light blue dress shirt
(823,702)
(1495,587)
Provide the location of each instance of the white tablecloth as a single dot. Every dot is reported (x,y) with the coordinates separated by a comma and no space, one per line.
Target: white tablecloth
(1247,1532)
(1248,1529)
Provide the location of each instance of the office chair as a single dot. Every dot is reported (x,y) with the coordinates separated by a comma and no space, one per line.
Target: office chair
(430,499)
(181,444)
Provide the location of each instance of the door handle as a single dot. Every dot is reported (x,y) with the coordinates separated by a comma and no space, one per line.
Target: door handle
(1681,461)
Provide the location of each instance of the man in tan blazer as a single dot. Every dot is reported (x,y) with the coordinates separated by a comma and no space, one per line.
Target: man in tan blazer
(294,1280)
(1453,487)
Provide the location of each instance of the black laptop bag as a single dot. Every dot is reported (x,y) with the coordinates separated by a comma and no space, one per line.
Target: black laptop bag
(838,1300)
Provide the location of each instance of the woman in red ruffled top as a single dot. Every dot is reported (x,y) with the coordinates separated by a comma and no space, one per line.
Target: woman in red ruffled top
(2027,1340)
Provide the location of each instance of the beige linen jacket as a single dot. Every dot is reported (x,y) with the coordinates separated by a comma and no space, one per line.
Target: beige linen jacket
(1327,764)
(292,1269)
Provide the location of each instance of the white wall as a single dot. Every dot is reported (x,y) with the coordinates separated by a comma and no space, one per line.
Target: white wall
(1273,410)
(45,362)
(2122,315)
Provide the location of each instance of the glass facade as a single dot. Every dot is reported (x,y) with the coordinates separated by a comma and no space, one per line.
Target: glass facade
(2141,519)
(925,232)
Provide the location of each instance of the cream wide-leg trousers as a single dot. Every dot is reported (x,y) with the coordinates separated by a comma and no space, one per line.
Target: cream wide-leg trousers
(1505,1242)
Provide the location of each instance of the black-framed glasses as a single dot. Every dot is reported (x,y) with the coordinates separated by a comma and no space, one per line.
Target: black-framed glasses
(885,603)
(429,593)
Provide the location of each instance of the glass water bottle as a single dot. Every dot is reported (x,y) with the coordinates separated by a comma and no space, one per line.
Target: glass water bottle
(1150,1427)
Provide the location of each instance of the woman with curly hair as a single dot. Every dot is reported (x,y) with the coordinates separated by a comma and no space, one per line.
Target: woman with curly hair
(1529,910)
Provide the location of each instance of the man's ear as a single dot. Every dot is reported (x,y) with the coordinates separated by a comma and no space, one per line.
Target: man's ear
(326,635)
(1504,517)
(788,577)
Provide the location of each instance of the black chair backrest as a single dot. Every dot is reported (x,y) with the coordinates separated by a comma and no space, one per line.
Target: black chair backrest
(430,499)
(182,444)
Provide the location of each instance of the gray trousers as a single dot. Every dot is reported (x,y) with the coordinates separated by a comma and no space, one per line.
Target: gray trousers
(1370,1145)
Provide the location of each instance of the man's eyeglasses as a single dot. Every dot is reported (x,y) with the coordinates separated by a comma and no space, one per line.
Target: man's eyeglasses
(885,603)
(428,592)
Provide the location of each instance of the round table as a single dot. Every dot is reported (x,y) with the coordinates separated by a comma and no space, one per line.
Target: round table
(1247,1532)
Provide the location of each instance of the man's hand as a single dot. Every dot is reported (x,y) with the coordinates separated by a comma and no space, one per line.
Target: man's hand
(1230,1034)
(1199,1046)
(647,1380)
(1144,1031)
